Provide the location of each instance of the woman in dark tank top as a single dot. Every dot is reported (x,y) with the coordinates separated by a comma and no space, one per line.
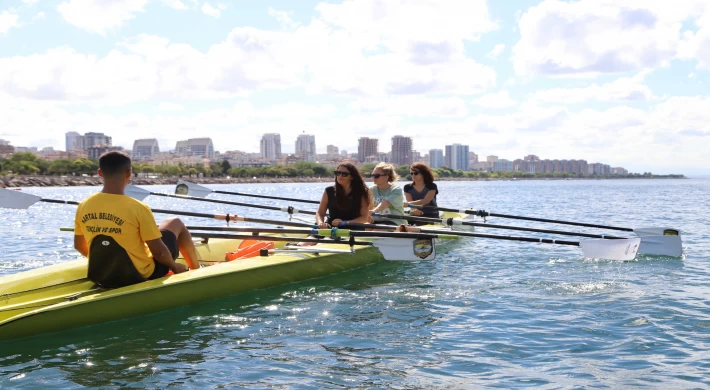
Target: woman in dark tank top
(421,191)
(346,201)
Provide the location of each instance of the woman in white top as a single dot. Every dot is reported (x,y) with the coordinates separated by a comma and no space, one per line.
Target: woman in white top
(387,197)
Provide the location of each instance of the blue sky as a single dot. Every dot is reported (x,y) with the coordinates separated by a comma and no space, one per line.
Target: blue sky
(619,82)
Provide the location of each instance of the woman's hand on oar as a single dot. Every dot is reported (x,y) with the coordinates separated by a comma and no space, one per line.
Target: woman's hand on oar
(188,188)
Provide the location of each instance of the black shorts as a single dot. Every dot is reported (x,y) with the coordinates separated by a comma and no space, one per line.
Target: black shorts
(170,241)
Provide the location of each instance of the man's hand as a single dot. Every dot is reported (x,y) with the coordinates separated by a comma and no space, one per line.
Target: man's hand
(323,225)
(337,221)
(179,268)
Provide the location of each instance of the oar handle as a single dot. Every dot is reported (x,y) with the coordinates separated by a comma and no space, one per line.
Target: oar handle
(266,197)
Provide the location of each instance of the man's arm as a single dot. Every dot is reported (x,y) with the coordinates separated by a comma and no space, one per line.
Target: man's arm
(80,245)
(162,255)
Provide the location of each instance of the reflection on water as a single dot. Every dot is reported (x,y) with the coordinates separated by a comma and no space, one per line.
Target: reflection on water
(487,313)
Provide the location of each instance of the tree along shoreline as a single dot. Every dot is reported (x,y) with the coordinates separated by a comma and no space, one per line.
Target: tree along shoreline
(28,170)
(17,181)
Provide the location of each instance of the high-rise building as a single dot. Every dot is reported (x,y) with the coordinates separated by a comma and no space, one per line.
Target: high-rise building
(436,158)
(144,149)
(491,159)
(366,147)
(401,150)
(6,148)
(197,147)
(306,147)
(472,160)
(271,146)
(332,151)
(456,157)
(73,141)
(95,139)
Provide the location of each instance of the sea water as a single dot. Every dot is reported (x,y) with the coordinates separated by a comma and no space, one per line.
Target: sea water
(489,313)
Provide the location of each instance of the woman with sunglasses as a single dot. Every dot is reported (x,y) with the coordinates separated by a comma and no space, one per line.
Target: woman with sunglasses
(346,201)
(388,198)
(422,191)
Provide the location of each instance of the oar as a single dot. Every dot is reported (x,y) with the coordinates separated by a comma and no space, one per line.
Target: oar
(188,188)
(455,222)
(20,200)
(654,240)
(619,249)
(140,194)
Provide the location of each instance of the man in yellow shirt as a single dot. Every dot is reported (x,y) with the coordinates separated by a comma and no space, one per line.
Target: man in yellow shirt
(119,236)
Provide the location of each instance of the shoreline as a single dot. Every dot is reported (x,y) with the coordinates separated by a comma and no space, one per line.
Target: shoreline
(82,181)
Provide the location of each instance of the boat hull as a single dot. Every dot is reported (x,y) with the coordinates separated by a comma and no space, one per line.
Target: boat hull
(60,297)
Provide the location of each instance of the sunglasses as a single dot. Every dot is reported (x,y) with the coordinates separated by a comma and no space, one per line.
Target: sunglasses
(343,174)
(413,173)
(377,175)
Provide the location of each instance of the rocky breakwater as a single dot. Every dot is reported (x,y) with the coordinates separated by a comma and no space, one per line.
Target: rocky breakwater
(73,181)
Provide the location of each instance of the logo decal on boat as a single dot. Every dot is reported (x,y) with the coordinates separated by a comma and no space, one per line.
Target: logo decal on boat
(423,247)
(105,243)
(181,189)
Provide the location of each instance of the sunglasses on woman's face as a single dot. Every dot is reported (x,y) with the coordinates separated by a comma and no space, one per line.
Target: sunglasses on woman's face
(377,175)
(341,173)
(413,173)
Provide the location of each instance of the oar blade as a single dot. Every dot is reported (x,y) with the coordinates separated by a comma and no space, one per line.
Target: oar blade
(192,189)
(623,249)
(136,192)
(406,249)
(660,241)
(17,200)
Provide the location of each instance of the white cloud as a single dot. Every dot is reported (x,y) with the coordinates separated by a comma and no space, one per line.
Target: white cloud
(100,16)
(622,89)
(591,37)
(500,99)
(30,2)
(283,17)
(168,106)
(39,16)
(411,106)
(209,10)
(176,4)
(323,57)
(696,45)
(497,50)
(8,20)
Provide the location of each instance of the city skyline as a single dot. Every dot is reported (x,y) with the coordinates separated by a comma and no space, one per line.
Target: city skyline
(623,82)
(192,151)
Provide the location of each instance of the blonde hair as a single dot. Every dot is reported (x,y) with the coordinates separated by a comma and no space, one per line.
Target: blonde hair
(388,169)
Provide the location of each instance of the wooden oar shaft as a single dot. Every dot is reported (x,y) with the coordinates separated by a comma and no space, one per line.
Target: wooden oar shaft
(266,197)
(450,222)
(483,213)
(289,209)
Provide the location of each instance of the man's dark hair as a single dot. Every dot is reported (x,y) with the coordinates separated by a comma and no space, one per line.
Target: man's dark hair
(114,163)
